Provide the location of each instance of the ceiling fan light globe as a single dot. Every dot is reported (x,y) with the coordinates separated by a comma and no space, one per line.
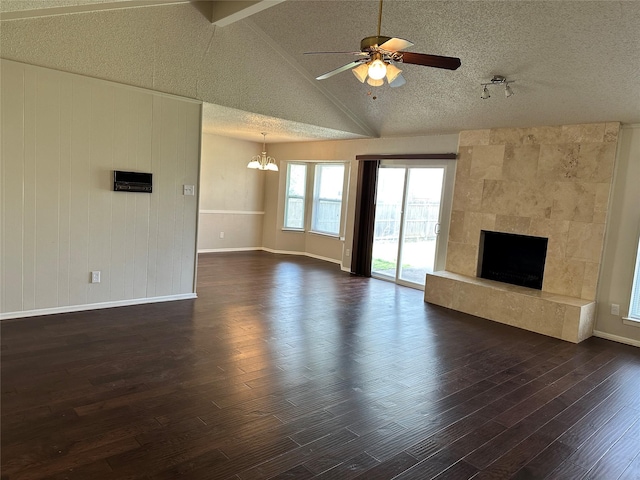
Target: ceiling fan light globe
(398,82)
(361,72)
(375,83)
(392,73)
(377,69)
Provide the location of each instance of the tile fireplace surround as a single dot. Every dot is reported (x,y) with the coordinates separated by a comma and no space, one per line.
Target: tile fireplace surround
(550,182)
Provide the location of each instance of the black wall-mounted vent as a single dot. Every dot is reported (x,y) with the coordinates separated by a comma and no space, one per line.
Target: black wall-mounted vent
(132,182)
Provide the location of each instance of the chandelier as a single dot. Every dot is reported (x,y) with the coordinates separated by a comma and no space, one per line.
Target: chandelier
(263,162)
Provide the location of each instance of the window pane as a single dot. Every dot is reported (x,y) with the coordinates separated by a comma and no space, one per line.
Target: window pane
(295,213)
(634,308)
(295,193)
(331,179)
(328,216)
(297,177)
(327,198)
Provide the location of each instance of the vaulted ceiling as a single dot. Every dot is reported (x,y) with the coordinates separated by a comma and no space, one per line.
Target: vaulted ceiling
(572,61)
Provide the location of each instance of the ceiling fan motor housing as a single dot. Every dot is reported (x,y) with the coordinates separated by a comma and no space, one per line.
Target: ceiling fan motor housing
(369,43)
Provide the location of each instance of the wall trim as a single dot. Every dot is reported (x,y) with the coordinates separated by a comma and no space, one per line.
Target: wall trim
(271,250)
(616,338)
(222,250)
(231,212)
(304,254)
(96,306)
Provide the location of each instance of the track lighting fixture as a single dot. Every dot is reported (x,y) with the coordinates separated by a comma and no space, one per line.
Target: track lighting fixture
(497,80)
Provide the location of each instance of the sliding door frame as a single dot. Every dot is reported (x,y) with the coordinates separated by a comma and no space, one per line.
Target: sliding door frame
(365,203)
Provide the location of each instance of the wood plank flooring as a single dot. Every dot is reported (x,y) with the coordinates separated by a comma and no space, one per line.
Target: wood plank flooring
(287,368)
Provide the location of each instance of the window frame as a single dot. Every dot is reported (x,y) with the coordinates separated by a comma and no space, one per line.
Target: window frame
(634,316)
(310,190)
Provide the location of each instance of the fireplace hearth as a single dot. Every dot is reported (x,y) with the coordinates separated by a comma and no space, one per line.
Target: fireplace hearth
(510,258)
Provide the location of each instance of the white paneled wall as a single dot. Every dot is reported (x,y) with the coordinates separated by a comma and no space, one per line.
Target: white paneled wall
(62,137)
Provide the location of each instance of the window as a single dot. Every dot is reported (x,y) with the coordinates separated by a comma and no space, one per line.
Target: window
(294,201)
(318,195)
(327,198)
(634,307)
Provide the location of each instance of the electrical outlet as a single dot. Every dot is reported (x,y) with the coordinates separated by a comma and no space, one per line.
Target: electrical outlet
(221,234)
(615,309)
(189,190)
(95,276)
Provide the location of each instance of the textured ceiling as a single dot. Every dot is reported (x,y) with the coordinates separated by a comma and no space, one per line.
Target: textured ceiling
(572,62)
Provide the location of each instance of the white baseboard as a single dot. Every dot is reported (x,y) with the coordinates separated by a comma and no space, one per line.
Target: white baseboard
(95,306)
(345,269)
(222,250)
(616,338)
(271,250)
(304,254)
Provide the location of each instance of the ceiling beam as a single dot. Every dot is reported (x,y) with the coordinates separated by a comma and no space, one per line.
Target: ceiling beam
(226,12)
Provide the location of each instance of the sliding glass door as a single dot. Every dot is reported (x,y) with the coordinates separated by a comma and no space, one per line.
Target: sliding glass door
(407,223)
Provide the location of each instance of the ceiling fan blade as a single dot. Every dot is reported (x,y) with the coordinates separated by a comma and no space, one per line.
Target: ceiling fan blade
(339,69)
(436,61)
(398,81)
(395,44)
(322,53)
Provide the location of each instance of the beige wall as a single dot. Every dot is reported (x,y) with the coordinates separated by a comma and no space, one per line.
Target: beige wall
(62,137)
(231,195)
(550,182)
(334,249)
(621,242)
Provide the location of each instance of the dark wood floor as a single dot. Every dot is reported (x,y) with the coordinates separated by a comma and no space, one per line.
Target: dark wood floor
(286,367)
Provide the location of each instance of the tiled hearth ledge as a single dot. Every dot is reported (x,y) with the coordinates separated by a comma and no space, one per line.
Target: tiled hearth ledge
(567,318)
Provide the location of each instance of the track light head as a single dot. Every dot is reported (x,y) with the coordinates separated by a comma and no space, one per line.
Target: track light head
(507,90)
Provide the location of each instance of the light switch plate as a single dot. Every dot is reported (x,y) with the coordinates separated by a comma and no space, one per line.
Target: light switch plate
(189,190)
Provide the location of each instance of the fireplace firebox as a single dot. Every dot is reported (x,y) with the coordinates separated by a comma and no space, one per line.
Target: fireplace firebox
(510,258)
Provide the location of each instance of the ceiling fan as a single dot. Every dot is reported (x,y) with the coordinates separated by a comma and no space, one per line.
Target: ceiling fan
(379,55)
